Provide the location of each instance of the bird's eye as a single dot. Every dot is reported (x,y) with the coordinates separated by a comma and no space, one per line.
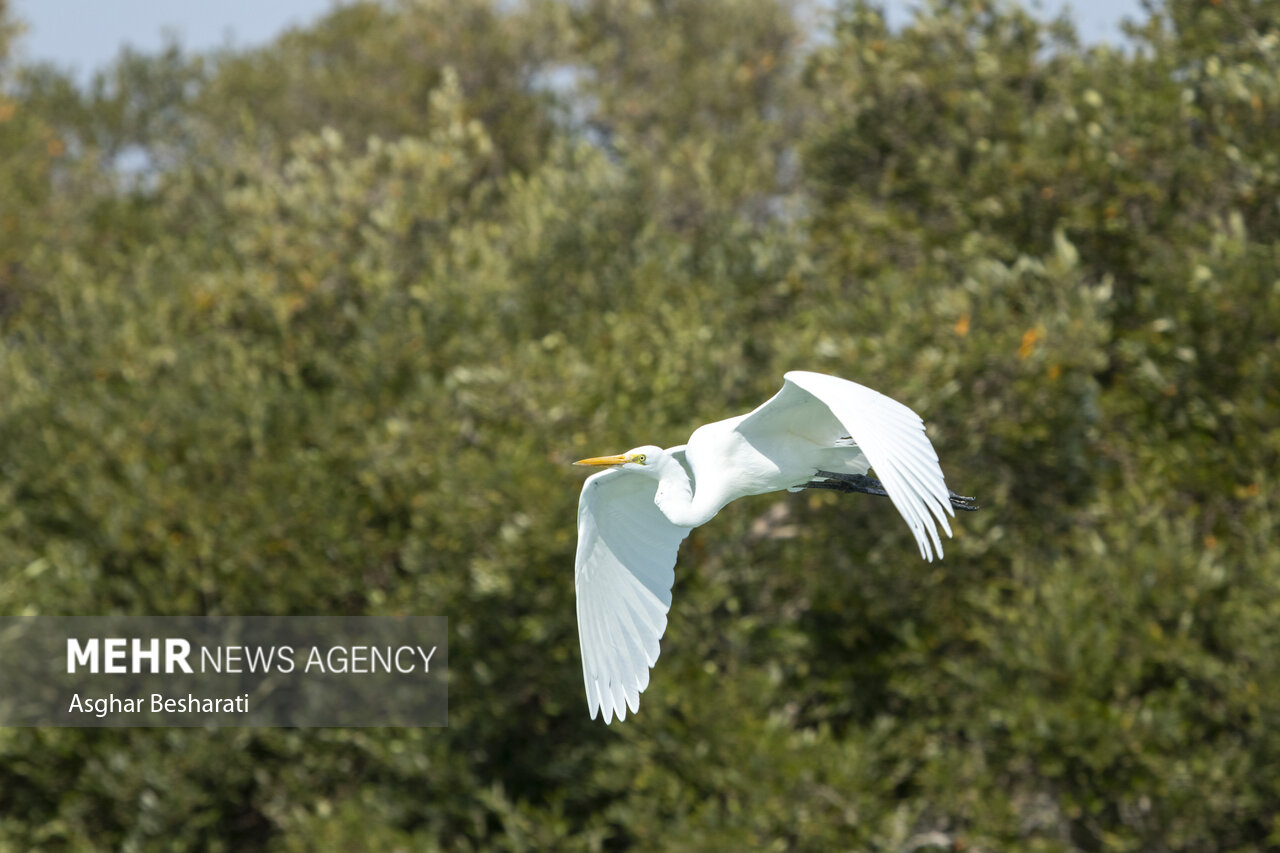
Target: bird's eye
(639,458)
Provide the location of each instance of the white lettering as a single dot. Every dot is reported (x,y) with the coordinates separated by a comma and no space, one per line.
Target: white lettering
(117,649)
(152,654)
(176,650)
(83,655)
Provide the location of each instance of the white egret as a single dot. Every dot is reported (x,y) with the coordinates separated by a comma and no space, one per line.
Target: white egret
(817,432)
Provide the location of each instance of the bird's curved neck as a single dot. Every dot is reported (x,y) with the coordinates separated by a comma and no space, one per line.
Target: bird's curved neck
(676,498)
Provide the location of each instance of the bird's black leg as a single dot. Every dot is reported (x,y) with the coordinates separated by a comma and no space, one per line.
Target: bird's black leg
(871,486)
(848,483)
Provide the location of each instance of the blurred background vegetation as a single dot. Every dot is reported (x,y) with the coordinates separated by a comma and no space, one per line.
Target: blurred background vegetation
(317,327)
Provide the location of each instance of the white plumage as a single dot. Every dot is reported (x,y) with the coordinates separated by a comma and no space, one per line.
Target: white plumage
(819,431)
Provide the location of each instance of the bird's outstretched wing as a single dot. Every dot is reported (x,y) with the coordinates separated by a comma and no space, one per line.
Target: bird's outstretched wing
(624,572)
(815,407)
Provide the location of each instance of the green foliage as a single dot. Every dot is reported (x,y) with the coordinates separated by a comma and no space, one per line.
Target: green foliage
(333,347)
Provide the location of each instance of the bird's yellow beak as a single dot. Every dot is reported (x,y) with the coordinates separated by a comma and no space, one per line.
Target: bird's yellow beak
(603,460)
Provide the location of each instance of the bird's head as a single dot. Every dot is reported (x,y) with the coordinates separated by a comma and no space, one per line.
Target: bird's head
(643,460)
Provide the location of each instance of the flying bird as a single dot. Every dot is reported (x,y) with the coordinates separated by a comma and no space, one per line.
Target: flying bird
(818,432)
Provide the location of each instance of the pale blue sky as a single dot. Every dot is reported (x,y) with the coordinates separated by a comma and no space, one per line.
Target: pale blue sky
(85,34)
